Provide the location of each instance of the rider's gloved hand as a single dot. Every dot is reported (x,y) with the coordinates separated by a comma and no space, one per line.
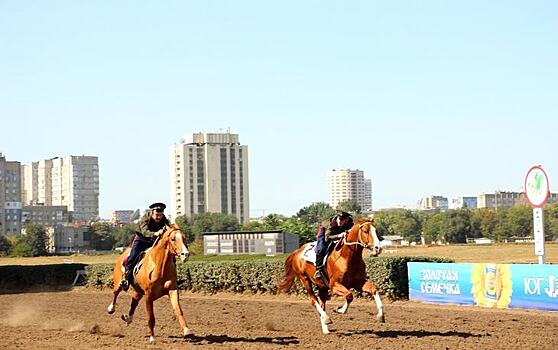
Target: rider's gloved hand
(160,232)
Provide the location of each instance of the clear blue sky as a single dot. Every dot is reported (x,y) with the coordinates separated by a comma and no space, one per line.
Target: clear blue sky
(427,97)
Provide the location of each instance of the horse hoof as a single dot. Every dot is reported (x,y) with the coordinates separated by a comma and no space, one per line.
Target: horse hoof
(151,339)
(381,318)
(127,319)
(111,309)
(188,332)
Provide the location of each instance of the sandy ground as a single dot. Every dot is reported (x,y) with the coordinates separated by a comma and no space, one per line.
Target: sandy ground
(78,319)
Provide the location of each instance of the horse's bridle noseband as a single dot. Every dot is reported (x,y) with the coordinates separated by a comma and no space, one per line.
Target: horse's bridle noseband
(359,240)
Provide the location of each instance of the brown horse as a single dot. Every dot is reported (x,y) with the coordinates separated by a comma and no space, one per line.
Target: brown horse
(345,270)
(156,277)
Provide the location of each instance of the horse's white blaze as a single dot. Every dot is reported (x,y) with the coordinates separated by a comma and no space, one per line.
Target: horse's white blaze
(379,304)
(184,254)
(376,248)
(343,308)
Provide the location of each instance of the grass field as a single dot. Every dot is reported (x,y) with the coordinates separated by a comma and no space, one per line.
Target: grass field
(495,253)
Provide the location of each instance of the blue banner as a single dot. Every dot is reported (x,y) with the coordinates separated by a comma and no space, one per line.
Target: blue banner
(488,285)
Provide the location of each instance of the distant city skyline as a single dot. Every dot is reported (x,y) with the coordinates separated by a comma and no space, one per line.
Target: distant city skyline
(435,98)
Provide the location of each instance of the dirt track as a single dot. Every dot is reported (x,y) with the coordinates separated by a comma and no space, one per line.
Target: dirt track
(78,320)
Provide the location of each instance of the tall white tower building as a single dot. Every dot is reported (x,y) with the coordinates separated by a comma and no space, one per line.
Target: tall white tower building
(209,174)
(347,184)
(72,181)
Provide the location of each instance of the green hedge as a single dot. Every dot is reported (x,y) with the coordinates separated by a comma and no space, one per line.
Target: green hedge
(23,278)
(259,276)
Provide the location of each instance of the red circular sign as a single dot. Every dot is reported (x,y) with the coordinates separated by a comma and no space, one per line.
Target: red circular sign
(537,188)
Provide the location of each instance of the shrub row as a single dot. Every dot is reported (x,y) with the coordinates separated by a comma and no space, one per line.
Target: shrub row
(23,278)
(259,276)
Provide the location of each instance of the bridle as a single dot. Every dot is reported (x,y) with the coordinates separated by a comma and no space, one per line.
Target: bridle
(360,240)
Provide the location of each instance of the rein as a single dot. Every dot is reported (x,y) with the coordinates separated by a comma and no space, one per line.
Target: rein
(359,240)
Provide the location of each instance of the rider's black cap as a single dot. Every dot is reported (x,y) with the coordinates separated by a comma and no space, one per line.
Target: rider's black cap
(343,214)
(158,207)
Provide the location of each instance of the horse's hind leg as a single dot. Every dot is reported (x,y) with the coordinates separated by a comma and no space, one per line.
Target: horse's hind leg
(136,297)
(373,290)
(324,318)
(173,296)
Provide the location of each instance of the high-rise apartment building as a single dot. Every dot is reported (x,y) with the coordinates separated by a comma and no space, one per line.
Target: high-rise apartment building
(347,184)
(209,174)
(72,181)
(10,196)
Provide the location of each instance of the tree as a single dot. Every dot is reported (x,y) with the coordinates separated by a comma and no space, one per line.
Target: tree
(316,213)
(551,221)
(213,222)
(123,235)
(401,222)
(21,248)
(37,239)
(5,246)
(350,206)
(101,236)
(519,220)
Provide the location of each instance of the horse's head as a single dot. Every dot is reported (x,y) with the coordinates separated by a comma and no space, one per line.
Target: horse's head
(364,234)
(176,242)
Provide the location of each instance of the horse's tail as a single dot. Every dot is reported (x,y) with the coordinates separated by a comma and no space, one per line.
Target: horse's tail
(286,281)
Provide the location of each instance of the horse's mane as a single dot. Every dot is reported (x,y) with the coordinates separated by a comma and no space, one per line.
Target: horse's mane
(363,220)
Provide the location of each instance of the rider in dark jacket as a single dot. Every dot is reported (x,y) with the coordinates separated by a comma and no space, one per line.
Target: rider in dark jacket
(150,227)
(328,231)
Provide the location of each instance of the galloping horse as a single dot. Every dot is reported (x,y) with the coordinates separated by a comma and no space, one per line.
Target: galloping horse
(156,277)
(345,270)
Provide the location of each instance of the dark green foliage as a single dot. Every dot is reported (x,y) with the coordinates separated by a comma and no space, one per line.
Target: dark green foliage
(21,248)
(350,206)
(37,239)
(100,236)
(5,246)
(21,278)
(259,275)
(123,235)
(390,274)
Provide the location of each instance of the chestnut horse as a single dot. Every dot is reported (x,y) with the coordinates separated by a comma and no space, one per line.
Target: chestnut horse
(156,277)
(345,269)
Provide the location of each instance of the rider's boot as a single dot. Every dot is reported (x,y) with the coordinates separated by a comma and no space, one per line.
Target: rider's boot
(125,282)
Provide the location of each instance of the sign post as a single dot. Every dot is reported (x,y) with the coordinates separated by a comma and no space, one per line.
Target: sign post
(537,192)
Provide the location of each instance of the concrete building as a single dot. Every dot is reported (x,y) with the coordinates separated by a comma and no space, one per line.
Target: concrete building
(122,216)
(249,242)
(434,202)
(461,202)
(347,184)
(10,197)
(67,238)
(71,181)
(46,215)
(209,174)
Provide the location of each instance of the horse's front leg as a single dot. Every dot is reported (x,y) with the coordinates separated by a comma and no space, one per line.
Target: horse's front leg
(150,318)
(136,297)
(112,307)
(339,289)
(324,318)
(174,299)
(373,290)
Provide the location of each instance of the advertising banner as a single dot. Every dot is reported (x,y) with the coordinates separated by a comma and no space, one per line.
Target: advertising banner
(484,284)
